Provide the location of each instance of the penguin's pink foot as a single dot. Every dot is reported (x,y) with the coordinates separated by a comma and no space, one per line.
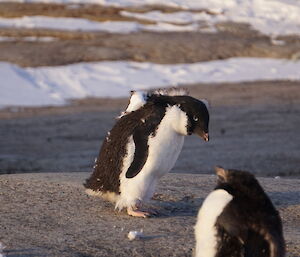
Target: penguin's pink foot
(138,213)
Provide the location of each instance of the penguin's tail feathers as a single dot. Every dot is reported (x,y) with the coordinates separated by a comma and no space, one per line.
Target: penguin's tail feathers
(108,196)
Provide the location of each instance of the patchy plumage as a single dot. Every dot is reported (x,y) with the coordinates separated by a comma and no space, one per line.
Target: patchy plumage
(144,145)
(238,219)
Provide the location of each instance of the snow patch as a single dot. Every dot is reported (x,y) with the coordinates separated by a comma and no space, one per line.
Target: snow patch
(79,24)
(55,85)
(272,17)
(71,24)
(28,39)
(268,17)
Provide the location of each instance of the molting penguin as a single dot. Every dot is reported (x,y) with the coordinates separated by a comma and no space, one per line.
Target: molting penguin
(143,145)
(238,219)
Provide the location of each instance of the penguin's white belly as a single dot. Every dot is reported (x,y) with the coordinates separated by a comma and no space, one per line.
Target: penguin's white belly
(163,151)
(164,147)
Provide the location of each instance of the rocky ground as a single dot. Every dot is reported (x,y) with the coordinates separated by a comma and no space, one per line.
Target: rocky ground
(50,215)
(254,126)
(233,40)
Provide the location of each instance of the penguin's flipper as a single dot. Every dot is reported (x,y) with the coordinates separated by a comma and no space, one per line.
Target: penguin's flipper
(140,153)
(229,245)
(231,234)
(232,222)
(256,242)
(265,243)
(276,244)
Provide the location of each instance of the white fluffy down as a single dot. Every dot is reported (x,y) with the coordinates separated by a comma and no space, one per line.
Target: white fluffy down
(135,235)
(171,91)
(137,100)
(205,231)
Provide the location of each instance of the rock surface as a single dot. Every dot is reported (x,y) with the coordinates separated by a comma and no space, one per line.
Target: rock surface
(49,214)
(253,126)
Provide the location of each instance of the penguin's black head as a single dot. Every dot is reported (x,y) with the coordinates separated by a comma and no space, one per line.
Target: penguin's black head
(232,176)
(237,179)
(195,110)
(198,116)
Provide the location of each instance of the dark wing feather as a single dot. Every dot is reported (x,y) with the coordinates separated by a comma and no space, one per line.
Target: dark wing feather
(105,176)
(141,153)
(241,227)
(139,124)
(231,232)
(141,136)
(229,246)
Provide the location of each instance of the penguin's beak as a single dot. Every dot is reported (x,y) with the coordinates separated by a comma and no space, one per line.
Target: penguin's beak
(205,136)
(201,133)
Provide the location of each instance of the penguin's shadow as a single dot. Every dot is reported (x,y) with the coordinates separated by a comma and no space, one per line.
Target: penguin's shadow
(187,206)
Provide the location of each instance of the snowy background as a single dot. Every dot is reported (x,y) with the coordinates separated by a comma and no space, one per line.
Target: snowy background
(28,86)
(55,85)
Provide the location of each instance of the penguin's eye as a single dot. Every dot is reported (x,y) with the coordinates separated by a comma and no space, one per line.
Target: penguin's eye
(195,118)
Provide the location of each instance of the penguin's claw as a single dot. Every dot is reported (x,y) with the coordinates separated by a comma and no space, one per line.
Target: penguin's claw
(138,213)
